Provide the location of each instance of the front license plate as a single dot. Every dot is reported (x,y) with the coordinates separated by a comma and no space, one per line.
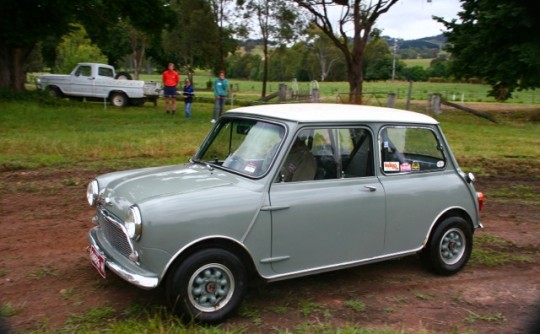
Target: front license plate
(98,261)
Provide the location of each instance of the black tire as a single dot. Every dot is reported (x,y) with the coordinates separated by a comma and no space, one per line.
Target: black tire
(54,91)
(123,76)
(119,99)
(449,247)
(208,286)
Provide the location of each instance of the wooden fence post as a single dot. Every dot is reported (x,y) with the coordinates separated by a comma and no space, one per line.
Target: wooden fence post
(391,100)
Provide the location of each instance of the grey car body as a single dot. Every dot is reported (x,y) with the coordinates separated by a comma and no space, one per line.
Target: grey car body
(231,210)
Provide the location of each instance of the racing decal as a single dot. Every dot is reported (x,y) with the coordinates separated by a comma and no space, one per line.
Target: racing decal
(391,166)
(415,165)
(250,168)
(440,164)
(405,167)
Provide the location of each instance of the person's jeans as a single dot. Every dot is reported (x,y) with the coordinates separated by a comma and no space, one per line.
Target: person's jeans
(188,110)
(219,104)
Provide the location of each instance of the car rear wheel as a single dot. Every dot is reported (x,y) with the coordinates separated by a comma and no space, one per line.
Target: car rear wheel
(449,247)
(208,286)
(119,99)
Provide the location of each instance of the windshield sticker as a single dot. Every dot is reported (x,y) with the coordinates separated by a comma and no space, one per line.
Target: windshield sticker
(250,168)
(440,164)
(415,165)
(386,144)
(391,166)
(405,167)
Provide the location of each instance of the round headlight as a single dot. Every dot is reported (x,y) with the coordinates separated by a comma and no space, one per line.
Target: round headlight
(133,223)
(92,192)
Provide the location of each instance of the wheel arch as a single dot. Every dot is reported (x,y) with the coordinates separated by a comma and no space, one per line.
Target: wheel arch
(114,91)
(451,212)
(227,244)
(55,88)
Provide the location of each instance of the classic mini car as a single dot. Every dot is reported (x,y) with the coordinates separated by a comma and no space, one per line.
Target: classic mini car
(283,191)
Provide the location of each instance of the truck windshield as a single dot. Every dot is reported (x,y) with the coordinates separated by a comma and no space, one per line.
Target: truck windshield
(244,146)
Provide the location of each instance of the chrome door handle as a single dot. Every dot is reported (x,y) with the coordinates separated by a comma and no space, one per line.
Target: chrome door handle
(371,188)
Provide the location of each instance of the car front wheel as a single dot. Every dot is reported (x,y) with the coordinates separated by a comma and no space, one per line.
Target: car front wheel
(208,286)
(450,246)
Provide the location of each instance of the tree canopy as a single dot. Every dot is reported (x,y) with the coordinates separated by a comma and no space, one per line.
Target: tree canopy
(497,41)
(25,23)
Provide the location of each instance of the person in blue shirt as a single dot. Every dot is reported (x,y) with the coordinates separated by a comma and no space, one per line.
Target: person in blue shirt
(220,93)
(188,94)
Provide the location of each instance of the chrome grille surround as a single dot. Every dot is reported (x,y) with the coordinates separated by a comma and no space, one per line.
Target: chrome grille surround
(115,232)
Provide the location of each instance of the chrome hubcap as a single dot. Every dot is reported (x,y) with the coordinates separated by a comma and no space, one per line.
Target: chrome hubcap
(211,287)
(452,246)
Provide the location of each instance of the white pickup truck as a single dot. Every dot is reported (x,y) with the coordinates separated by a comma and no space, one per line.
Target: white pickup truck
(99,82)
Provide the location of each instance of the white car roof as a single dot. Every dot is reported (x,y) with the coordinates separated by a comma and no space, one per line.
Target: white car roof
(326,112)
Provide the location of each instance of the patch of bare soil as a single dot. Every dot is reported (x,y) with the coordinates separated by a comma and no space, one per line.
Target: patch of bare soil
(46,275)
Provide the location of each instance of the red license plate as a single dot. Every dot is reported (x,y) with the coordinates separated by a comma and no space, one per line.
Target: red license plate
(98,261)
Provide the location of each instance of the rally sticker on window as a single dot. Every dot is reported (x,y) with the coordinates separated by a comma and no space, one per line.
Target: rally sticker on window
(405,167)
(415,165)
(391,166)
(440,164)
(250,168)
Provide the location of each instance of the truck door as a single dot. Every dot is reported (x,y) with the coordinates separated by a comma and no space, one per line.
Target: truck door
(82,81)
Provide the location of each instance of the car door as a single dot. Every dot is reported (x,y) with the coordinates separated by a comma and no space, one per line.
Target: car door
(333,218)
(414,173)
(82,81)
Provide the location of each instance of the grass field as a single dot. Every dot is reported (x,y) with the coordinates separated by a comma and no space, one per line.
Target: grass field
(60,132)
(331,91)
(417,62)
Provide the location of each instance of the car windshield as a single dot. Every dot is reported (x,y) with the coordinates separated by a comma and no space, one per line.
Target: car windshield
(241,145)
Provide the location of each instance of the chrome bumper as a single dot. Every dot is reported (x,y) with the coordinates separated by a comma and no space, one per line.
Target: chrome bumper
(142,281)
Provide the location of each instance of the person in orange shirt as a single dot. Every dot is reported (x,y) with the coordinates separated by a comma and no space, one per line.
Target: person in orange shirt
(170,79)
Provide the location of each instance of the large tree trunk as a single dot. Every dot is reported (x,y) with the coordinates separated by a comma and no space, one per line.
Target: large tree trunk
(13,66)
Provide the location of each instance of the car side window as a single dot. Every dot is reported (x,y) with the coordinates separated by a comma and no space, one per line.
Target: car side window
(410,149)
(329,153)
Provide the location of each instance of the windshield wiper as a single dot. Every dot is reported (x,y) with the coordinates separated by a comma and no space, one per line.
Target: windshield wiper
(208,165)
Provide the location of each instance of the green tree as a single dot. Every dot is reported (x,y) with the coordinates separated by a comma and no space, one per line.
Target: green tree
(74,48)
(439,68)
(325,51)
(197,40)
(378,60)
(497,41)
(25,23)
(413,73)
(275,20)
(349,32)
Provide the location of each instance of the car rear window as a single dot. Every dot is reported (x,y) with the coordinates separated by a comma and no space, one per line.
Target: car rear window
(410,149)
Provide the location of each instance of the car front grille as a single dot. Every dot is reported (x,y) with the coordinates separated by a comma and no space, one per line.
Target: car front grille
(114,232)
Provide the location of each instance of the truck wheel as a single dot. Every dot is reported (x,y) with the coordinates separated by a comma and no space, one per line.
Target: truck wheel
(123,76)
(54,91)
(119,99)
(208,286)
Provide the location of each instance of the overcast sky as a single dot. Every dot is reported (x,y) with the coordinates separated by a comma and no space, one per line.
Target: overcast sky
(411,19)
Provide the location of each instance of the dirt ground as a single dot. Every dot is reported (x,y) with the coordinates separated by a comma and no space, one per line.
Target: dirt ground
(46,275)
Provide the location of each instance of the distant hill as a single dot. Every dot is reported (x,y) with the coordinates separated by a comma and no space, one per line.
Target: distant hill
(427,47)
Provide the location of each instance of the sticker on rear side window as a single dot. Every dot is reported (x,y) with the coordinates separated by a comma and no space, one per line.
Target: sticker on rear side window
(391,166)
